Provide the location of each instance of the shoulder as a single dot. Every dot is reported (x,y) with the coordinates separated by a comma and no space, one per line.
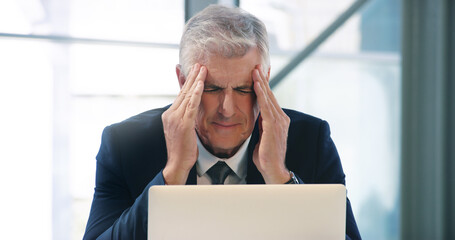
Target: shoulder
(135,135)
(306,130)
(140,122)
(300,116)
(135,149)
(311,151)
(304,121)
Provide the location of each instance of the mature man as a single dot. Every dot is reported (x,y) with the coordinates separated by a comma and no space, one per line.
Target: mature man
(225,126)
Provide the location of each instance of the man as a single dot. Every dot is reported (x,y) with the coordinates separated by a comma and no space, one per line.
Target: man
(225,119)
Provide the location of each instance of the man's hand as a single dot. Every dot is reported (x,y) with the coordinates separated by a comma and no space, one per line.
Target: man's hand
(270,152)
(179,127)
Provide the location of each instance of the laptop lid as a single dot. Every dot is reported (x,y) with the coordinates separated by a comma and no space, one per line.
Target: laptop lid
(304,211)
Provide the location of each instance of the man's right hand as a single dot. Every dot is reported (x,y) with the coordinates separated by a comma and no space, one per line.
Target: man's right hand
(179,123)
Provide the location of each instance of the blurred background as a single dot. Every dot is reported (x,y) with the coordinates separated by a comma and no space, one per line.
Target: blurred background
(68,68)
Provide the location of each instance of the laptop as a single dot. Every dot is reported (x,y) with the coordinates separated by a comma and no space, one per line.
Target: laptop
(304,211)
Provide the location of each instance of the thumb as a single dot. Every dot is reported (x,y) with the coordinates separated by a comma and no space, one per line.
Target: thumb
(260,125)
(256,155)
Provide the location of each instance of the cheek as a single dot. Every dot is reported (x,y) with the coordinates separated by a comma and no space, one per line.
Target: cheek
(207,107)
(249,107)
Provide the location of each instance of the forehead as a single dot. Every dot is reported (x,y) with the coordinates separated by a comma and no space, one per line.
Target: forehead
(232,71)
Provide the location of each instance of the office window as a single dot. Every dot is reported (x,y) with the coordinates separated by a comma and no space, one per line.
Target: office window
(26,139)
(353,81)
(135,20)
(116,59)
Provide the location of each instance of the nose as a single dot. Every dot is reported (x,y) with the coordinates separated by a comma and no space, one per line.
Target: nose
(227,104)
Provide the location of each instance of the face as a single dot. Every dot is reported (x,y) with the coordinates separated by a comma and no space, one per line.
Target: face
(228,108)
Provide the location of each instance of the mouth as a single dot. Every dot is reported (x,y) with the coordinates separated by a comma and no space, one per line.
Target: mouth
(222,125)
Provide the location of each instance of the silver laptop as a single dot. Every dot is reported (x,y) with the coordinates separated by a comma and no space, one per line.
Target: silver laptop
(272,212)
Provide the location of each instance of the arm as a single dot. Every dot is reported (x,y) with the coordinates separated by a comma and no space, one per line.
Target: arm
(114,214)
(179,124)
(270,152)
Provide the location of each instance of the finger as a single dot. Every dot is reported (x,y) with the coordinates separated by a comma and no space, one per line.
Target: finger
(262,74)
(265,80)
(262,99)
(189,81)
(267,91)
(260,124)
(273,113)
(194,101)
(201,76)
(183,91)
(274,102)
(269,109)
(191,102)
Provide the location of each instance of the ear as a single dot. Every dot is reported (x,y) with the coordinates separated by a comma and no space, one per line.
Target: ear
(268,73)
(180,76)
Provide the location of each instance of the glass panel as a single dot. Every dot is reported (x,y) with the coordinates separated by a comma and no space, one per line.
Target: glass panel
(122,70)
(72,91)
(359,97)
(353,82)
(135,20)
(109,84)
(26,139)
(294,24)
(130,20)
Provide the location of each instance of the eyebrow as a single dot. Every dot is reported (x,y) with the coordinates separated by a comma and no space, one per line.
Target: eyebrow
(250,86)
(242,86)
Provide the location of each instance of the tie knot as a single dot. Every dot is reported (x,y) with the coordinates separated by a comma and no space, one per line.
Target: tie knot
(219,172)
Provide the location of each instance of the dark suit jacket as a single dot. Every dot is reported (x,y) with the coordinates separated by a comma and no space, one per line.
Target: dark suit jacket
(133,154)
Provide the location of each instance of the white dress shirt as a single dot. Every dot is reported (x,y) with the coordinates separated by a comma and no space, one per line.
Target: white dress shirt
(238,164)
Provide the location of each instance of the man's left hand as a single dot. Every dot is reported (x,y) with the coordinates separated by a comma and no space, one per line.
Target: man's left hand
(270,152)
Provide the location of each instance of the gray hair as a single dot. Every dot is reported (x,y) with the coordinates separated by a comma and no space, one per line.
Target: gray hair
(219,30)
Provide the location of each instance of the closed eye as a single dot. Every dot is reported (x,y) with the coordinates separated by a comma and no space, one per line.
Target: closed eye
(210,89)
(245,90)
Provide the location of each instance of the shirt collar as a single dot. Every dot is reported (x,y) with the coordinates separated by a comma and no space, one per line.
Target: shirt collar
(238,162)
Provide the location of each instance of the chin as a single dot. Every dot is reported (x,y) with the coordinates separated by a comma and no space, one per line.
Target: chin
(225,148)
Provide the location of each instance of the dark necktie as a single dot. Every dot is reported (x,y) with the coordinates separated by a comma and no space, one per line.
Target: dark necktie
(219,172)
